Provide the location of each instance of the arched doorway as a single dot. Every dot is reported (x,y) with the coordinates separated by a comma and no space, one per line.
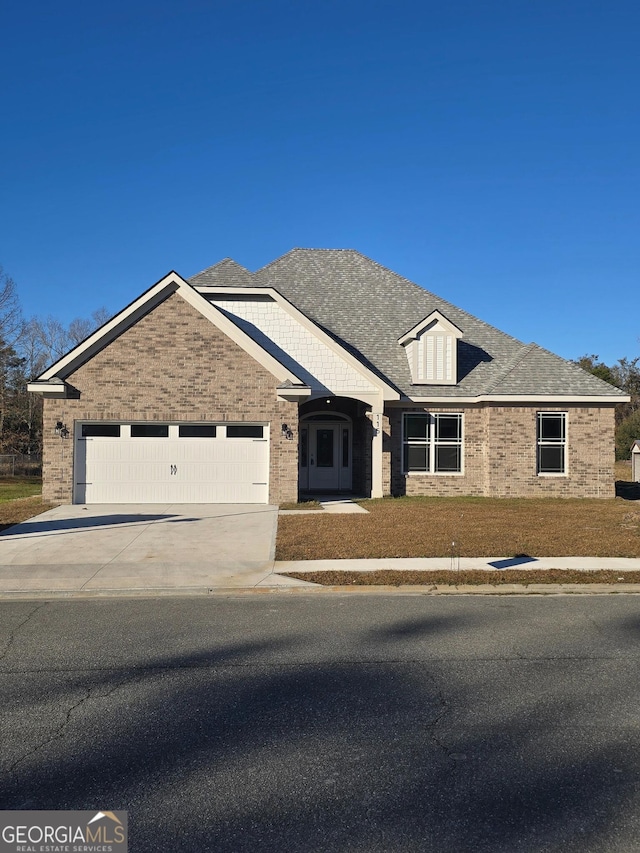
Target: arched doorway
(325,455)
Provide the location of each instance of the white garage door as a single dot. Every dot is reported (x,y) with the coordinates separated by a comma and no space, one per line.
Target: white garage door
(175,463)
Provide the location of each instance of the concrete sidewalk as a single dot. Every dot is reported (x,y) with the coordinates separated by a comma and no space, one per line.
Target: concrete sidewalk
(431,564)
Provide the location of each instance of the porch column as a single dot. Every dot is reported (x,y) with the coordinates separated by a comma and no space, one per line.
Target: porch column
(376,455)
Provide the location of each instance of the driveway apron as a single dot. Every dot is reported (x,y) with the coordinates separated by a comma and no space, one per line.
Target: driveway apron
(150,546)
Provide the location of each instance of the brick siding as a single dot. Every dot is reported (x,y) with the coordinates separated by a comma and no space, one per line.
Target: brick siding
(172,365)
(500,453)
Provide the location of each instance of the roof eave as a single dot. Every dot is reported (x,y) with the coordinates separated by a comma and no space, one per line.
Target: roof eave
(547,399)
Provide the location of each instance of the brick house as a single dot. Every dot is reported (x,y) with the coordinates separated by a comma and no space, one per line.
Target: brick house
(322,372)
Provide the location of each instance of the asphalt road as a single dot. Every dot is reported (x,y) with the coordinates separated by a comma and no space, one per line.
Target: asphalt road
(346,723)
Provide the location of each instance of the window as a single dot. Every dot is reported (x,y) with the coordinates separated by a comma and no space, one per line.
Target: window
(149,431)
(432,444)
(101,430)
(197,431)
(244,431)
(324,448)
(552,442)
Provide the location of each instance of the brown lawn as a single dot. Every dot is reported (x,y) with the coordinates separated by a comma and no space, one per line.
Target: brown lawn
(479,527)
(20,509)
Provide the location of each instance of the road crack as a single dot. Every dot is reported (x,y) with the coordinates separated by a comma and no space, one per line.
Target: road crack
(58,734)
(15,632)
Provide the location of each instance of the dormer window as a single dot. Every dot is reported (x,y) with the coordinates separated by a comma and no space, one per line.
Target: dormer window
(432,350)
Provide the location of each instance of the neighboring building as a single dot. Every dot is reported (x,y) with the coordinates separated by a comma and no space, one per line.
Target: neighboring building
(321,372)
(635,461)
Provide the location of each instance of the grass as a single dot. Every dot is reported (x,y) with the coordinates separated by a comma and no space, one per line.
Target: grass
(479,527)
(468,578)
(19,487)
(20,499)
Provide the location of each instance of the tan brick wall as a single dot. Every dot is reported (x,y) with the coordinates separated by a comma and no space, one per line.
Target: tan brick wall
(511,450)
(172,365)
(500,454)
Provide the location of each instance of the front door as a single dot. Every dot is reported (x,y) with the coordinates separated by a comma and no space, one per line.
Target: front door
(329,456)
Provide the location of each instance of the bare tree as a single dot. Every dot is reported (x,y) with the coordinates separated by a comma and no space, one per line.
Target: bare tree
(11,322)
(54,339)
(11,326)
(42,342)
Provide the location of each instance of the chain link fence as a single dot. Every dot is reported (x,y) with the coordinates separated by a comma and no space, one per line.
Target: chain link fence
(19,465)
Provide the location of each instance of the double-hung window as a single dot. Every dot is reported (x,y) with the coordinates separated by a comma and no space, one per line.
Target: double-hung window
(552,442)
(432,444)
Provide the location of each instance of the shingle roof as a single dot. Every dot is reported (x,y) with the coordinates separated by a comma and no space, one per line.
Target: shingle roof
(226,273)
(368,308)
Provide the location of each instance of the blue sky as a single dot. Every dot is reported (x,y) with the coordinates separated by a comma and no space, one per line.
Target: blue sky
(487,150)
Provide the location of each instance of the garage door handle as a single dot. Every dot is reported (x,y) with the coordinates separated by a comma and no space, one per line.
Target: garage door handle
(174,469)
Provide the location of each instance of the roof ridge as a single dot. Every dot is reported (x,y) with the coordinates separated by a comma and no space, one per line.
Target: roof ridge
(515,360)
(301,249)
(576,367)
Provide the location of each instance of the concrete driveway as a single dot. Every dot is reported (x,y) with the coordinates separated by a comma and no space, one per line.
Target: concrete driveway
(138,547)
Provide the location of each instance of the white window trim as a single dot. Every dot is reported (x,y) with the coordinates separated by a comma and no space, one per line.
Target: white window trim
(431,443)
(564,444)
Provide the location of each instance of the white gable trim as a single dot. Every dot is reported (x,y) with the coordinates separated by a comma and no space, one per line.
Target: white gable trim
(387,391)
(432,350)
(217,317)
(430,319)
(112,328)
(171,283)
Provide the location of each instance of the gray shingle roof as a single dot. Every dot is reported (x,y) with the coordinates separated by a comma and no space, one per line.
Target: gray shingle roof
(368,307)
(226,273)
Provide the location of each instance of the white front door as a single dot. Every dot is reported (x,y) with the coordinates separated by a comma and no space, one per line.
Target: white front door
(329,456)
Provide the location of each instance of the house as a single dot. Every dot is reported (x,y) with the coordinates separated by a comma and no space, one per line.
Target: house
(321,372)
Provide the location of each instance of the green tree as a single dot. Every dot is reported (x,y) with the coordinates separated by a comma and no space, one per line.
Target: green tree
(627,432)
(625,374)
(592,364)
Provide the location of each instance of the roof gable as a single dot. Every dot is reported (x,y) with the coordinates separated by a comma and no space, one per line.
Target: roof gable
(172,283)
(432,321)
(325,364)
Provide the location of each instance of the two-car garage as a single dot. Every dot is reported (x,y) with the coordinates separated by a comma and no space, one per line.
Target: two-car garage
(156,462)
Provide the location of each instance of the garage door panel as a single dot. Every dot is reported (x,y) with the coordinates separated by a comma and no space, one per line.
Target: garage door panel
(179,470)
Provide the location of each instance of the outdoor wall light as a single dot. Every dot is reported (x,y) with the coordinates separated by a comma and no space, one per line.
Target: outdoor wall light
(61,430)
(287,432)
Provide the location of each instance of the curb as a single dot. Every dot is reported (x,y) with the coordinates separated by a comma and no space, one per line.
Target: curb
(316,589)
